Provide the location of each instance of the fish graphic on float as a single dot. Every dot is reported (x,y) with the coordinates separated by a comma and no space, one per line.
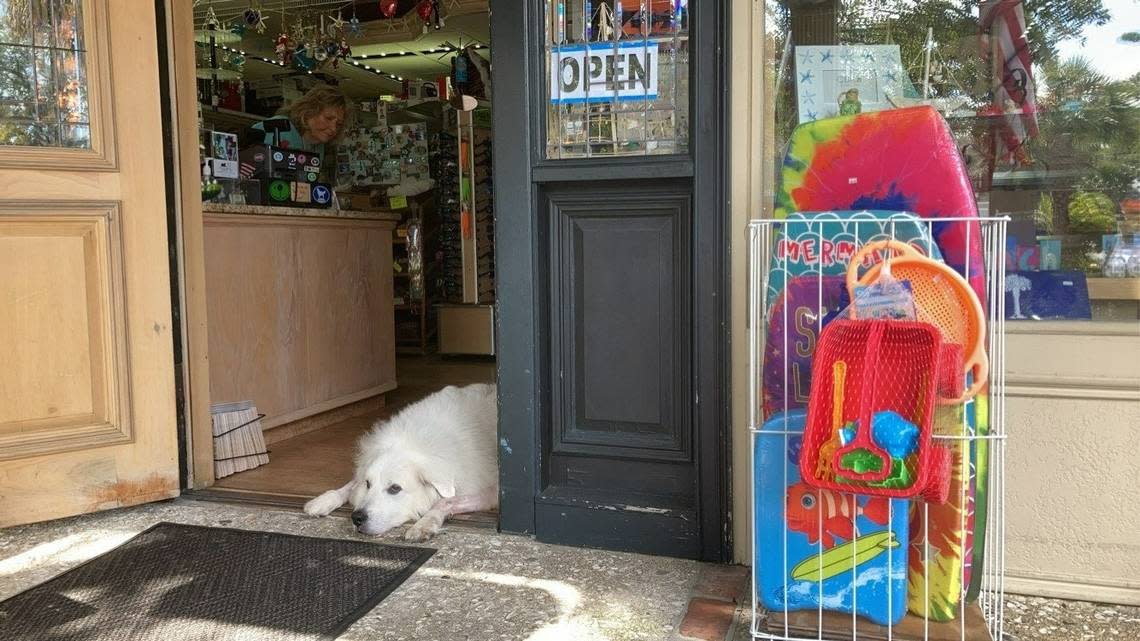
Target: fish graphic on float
(826,548)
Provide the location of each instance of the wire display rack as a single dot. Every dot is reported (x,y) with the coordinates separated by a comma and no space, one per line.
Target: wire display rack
(930,572)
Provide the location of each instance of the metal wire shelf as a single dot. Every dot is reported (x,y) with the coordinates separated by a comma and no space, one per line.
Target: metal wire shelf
(974,593)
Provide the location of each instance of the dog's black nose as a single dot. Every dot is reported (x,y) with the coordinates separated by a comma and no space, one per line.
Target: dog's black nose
(359,517)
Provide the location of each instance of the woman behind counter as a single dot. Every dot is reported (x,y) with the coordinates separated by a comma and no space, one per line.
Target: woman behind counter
(316,119)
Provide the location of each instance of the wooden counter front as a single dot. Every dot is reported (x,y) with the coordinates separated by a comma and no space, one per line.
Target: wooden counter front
(300,310)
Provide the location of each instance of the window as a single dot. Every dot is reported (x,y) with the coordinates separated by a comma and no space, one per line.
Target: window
(617,77)
(1042,98)
(43,82)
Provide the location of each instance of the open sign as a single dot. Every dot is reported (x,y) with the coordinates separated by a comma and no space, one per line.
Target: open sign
(601,73)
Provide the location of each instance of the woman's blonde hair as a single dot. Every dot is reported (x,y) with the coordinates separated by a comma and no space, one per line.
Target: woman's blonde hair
(314,102)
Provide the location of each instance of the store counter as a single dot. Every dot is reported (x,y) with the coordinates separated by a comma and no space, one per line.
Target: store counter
(299,305)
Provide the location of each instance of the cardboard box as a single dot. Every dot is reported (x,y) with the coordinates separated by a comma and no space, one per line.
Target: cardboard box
(467,329)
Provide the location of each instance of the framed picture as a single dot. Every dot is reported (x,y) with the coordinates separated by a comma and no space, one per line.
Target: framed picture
(1050,253)
(840,80)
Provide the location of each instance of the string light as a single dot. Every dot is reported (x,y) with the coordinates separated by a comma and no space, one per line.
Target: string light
(356,58)
(281,64)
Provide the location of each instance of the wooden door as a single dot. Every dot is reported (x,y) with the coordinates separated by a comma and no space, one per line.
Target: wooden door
(87,400)
(611,242)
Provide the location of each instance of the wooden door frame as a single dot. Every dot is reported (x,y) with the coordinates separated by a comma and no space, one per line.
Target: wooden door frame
(188,257)
(520,268)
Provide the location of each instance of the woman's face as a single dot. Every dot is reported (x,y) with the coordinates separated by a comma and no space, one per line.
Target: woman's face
(326,125)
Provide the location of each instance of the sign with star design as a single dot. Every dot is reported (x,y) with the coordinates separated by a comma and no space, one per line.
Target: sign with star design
(840,80)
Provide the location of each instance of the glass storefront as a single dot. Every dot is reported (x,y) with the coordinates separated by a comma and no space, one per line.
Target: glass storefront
(1043,101)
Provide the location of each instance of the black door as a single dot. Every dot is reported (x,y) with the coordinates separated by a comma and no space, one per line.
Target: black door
(611,264)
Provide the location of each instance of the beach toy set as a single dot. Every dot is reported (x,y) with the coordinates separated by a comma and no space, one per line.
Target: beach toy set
(871,422)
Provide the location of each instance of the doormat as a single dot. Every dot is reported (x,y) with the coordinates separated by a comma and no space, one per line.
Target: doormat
(180,582)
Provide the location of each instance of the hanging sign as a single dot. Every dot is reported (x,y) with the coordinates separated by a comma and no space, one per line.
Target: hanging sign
(604,72)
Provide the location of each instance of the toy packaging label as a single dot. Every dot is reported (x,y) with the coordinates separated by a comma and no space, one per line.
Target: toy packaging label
(885,300)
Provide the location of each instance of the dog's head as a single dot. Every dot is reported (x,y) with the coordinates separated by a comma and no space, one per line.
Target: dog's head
(393,487)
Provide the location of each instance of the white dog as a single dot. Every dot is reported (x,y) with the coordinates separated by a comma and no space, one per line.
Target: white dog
(435,458)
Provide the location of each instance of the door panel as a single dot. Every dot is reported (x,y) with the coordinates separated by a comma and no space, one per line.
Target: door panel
(619,300)
(87,417)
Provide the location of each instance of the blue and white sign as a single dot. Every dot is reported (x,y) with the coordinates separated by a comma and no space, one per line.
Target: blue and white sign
(322,195)
(603,72)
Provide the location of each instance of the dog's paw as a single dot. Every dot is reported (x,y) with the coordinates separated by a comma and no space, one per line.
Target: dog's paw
(324,504)
(421,531)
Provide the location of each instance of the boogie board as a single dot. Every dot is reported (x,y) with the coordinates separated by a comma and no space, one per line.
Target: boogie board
(980,457)
(806,289)
(896,160)
(893,160)
(823,242)
(816,548)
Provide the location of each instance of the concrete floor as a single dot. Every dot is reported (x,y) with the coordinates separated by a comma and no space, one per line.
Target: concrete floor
(483,586)
(480,585)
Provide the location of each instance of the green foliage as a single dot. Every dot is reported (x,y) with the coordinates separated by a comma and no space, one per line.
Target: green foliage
(1091,212)
(1043,216)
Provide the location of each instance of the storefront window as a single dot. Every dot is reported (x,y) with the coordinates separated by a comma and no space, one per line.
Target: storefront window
(617,77)
(43,83)
(1042,99)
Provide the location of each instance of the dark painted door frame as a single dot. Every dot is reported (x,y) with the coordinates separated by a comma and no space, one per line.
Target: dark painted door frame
(522,264)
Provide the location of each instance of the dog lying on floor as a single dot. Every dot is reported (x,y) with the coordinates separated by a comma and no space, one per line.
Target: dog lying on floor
(435,458)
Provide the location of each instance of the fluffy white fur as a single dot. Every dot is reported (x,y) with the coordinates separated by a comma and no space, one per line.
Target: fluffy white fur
(435,458)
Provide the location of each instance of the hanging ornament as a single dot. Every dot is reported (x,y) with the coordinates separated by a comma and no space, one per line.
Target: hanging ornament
(237,60)
(389,7)
(335,28)
(354,27)
(302,59)
(254,19)
(283,48)
(436,16)
(238,28)
(211,22)
(297,31)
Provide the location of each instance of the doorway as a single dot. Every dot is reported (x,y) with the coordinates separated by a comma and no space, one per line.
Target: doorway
(609,277)
(326,317)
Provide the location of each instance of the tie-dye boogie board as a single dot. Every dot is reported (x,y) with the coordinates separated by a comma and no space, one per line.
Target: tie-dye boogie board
(818,548)
(907,160)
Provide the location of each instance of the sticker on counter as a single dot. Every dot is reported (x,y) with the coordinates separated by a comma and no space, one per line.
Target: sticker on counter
(322,195)
(398,202)
(302,192)
(279,190)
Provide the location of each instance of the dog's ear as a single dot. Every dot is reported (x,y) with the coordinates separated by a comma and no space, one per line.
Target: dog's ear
(445,486)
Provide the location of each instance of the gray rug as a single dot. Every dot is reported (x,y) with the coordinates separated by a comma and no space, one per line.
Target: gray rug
(186,582)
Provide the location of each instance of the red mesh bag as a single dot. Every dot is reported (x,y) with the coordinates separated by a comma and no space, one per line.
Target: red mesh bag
(869,419)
